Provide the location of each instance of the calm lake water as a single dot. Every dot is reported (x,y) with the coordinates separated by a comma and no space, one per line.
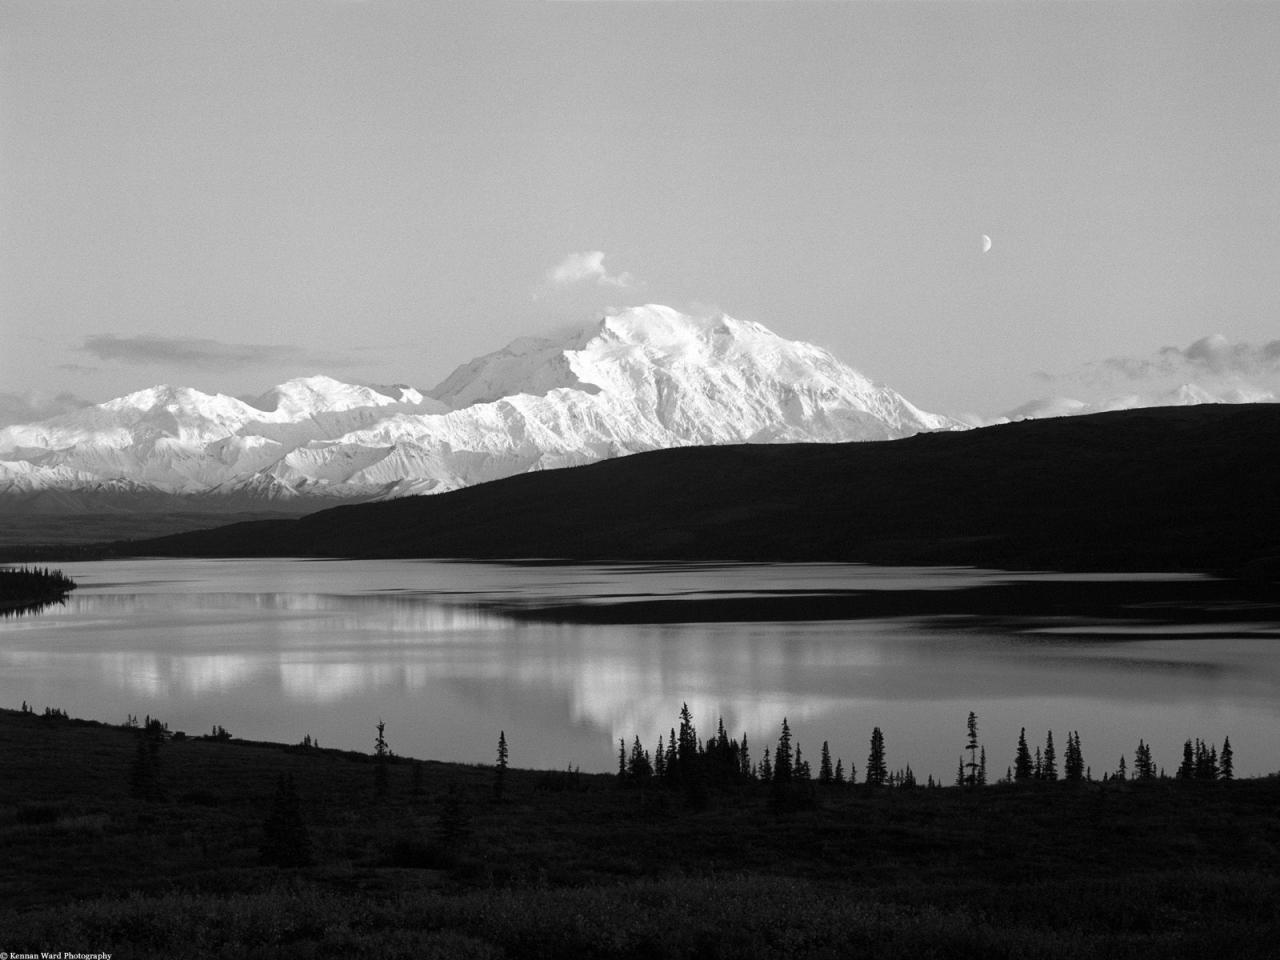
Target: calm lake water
(275,649)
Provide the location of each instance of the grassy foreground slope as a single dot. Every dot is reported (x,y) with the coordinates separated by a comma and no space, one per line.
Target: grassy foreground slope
(1176,488)
(565,866)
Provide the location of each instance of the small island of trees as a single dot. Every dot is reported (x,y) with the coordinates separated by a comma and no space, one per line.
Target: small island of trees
(25,588)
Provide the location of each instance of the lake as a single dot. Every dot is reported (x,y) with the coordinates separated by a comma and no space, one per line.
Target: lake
(277,649)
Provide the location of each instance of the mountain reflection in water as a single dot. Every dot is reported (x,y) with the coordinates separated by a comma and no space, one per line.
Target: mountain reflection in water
(275,649)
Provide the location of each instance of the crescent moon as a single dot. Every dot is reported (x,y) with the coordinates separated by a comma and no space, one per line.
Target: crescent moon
(986,243)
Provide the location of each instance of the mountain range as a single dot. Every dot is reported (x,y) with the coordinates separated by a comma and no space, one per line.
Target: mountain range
(646,378)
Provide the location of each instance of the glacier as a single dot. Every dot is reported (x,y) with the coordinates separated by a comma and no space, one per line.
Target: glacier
(639,379)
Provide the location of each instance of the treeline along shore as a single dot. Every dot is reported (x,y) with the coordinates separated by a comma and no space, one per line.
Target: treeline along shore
(145,842)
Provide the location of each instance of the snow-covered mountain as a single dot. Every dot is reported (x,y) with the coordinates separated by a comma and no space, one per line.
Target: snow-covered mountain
(646,378)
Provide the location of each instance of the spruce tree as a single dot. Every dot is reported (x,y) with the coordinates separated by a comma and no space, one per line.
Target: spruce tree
(1187,769)
(639,767)
(1073,765)
(982,768)
(826,774)
(744,759)
(1122,772)
(971,744)
(782,763)
(687,748)
(380,756)
(800,766)
(1143,767)
(838,777)
(622,759)
(877,772)
(500,769)
(1226,761)
(1022,768)
(1050,769)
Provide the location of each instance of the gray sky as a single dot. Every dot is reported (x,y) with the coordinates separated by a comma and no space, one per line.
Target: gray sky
(225,195)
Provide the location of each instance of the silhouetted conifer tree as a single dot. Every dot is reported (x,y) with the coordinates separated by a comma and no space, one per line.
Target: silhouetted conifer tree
(381,755)
(766,767)
(638,766)
(1143,767)
(285,840)
(876,771)
(1226,762)
(622,759)
(1205,765)
(971,744)
(800,769)
(500,767)
(687,745)
(1037,770)
(1187,769)
(838,776)
(826,773)
(744,759)
(1022,768)
(1073,763)
(982,767)
(660,760)
(1050,767)
(782,762)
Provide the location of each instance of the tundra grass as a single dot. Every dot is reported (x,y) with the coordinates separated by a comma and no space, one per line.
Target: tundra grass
(566,865)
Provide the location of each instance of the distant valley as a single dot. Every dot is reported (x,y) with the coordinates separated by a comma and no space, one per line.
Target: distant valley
(1174,488)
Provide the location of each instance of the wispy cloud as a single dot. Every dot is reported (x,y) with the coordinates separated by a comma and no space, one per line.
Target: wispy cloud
(196,352)
(587,267)
(33,406)
(1209,356)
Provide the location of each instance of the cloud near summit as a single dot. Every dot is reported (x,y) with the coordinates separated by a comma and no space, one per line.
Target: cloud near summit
(586,267)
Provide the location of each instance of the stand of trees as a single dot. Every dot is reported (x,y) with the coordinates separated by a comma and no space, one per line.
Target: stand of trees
(684,759)
(22,587)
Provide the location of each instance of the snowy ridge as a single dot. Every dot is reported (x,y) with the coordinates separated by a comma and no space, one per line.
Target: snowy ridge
(646,378)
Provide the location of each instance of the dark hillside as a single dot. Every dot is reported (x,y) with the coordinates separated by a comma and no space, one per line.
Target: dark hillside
(1176,488)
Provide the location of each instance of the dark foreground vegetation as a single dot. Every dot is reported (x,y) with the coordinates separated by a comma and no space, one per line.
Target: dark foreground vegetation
(133,841)
(1174,488)
(28,588)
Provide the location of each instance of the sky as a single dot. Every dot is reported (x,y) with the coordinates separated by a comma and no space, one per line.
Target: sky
(227,195)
